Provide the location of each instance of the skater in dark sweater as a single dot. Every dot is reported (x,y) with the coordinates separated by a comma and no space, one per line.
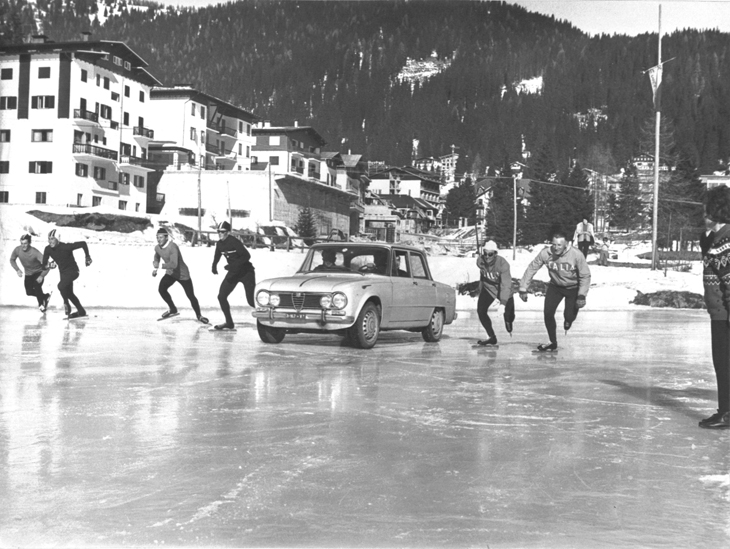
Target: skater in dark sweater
(239,270)
(32,262)
(716,279)
(175,271)
(570,278)
(62,253)
(495,283)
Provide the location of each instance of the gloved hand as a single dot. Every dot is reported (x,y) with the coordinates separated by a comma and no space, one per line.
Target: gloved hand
(523,295)
(88,261)
(580,302)
(52,264)
(226,267)
(154,272)
(40,279)
(215,270)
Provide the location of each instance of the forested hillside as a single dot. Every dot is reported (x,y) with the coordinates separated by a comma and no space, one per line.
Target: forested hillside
(334,65)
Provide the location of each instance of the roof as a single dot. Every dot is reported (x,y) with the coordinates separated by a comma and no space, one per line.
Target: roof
(188,92)
(289,130)
(386,245)
(407,201)
(409,171)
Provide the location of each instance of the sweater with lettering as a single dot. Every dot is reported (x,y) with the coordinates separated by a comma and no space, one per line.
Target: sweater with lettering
(567,270)
(495,279)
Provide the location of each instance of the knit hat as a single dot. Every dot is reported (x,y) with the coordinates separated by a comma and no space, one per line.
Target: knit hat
(490,246)
(55,234)
(26,237)
(162,230)
(224,226)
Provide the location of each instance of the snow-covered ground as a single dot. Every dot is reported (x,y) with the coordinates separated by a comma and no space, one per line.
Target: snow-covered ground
(121,273)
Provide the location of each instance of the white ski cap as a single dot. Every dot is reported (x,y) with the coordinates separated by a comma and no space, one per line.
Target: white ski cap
(55,234)
(490,246)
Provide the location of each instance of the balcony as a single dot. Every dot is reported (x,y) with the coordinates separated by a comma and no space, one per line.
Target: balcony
(87,149)
(111,185)
(131,160)
(83,114)
(212,149)
(139,131)
(223,130)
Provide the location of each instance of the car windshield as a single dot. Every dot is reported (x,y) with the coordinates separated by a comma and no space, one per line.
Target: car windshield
(347,258)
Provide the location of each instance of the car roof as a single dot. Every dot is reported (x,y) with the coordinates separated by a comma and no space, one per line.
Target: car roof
(387,245)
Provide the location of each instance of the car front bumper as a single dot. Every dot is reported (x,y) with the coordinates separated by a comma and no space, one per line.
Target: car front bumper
(310,318)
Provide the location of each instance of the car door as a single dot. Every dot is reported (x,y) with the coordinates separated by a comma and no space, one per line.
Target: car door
(424,288)
(403,295)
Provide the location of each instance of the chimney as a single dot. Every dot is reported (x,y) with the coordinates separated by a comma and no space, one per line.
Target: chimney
(296,123)
(267,123)
(38,39)
(85,36)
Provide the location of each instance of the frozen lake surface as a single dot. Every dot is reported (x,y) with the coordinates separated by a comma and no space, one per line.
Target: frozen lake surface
(118,430)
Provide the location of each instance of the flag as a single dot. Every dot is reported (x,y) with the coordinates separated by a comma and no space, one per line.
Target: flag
(655,75)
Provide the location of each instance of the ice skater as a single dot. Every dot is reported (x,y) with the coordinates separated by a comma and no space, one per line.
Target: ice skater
(716,279)
(239,269)
(495,282)
(175,271)
(32,262)
(62,253)
(570,278)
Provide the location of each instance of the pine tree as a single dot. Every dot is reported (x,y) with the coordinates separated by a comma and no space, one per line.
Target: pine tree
(500,210)
(628,213)
(461,202)
(306,226)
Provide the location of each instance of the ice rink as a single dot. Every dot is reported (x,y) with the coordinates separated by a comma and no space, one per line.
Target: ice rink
(118,430)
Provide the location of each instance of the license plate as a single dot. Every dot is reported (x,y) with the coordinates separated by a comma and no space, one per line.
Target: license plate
(296,315)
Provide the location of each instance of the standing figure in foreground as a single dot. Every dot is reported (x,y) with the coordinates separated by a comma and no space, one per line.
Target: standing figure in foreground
(584,237)
(32,262)
(570,278)
(716,279)
(239,270)
(175,271)
(495,283)
(62,253)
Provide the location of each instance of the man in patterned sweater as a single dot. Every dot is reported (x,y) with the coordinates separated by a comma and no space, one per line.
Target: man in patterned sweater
(716,279)
(495,283)
(570,278)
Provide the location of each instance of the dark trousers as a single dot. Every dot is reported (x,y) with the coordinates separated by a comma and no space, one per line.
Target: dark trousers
(485,300)
(584,246)
(553,297)
(248,279)
(66,287)
(33,288)
(720,331)
(187,285)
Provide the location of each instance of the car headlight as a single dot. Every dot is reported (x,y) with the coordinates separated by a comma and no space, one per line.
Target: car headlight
(262,298)
(339,300)
(325,301)
(274,300)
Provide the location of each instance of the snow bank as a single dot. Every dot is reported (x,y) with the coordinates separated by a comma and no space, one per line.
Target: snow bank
(121,272)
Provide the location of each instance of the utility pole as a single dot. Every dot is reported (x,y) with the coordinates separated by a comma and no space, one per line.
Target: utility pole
(200,198)
(657,107)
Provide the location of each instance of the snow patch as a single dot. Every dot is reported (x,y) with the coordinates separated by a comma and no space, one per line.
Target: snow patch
(530,85)
(420,70)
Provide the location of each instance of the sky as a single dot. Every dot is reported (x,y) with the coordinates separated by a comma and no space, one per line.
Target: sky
(630,17)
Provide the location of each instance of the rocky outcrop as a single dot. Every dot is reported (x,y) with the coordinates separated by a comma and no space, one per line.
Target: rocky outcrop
(670,299)
(95,221)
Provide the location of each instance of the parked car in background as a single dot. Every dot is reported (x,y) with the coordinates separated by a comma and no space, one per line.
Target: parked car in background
(356,289)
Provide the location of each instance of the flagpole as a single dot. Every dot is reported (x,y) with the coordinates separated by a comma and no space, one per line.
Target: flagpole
(657,106)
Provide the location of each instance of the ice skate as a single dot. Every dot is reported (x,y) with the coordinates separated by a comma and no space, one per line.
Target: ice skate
(203,320)
(168,314)
(77,314)
(223,328)
(490,343)
(546,348)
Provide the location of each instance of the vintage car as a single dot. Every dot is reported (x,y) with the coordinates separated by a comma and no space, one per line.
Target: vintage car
(355,289)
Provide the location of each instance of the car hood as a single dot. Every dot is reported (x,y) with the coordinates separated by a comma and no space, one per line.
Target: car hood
(314,282)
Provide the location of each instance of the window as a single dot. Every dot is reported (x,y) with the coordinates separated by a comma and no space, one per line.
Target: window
(139,181)
(136,207)
(98,80)
(117,60)
(99,173)
(43,102)
(105,111)
(82,170)
(40,198)
(240,127)
(84,75)
(4,197)
(418,266)
(202,112)
(193,134)
(115,96)
(294,143)
(192,109)
(248,151)
(274,140)
(6,74)
(125,119)
(126,91)
(128,65)
(122,204)
(106,82)
(8,103)
(123,178)
(40,167)
(125,149)
(96,201)
(41,135)
(79,199)
(44,72)
(4,136)
(240,149)
(4,166)
(141,97)
(274,160)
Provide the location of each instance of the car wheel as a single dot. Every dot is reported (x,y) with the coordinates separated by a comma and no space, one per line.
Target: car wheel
(269,334)
(435,328)
(364,333)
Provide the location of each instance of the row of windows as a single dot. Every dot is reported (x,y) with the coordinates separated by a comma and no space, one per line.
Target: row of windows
(7,74)
(10,102)
(42,197)
(35,135)
(41,166)
(82,170)
(107,83)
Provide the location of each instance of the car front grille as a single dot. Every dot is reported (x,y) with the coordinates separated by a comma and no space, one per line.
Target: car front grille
(300,300)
